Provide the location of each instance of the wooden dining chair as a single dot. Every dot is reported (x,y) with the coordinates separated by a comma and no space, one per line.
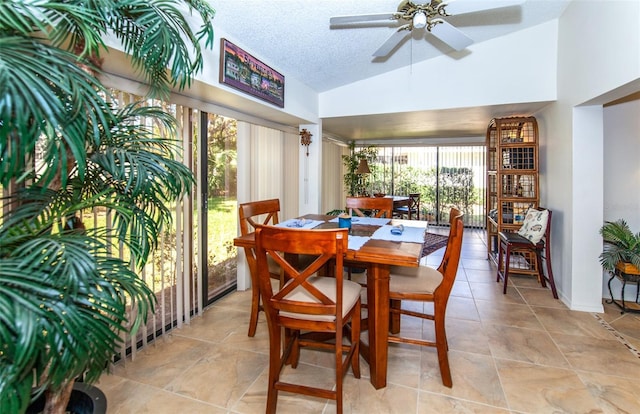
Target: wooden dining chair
(308,303)
(412,209)
(251,215)
(426,284)
(380,206)
(525,250)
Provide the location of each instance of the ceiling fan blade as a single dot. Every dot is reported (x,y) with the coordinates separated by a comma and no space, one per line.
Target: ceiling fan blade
(392,42)
(362,18)
(451,35)
(457,7)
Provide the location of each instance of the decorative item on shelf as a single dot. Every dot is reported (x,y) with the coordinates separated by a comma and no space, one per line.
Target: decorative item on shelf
(305,138)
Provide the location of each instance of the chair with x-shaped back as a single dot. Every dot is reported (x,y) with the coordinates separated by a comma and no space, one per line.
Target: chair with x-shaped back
(308,303)
(251,215)
(426,284)
(379,206)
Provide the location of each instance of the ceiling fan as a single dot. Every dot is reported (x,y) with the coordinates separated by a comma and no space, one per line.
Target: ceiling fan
(428,15)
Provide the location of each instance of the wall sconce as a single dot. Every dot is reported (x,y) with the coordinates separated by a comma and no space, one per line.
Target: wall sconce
(305,138)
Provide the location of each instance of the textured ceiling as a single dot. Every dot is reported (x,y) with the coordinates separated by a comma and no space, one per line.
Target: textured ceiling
(295,38)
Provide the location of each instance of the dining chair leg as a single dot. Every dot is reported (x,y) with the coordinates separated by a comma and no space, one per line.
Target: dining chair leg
(274,368)
(507,260)
(442,348)
(339,370)
(394,317)
(550,271)
(255,309)
(500,259)
(355,341)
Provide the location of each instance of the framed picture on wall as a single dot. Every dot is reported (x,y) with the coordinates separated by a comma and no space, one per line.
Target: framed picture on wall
(242,71)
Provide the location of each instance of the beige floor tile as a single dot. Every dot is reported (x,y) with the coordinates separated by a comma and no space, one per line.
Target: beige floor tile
(628,325)
(522,352)
(159,363)
(467,336)
(525,345)
(523,281)
(360,397)
(539,296)
(429,403)
(477,264)
(474,377)
(217,325)
(125,397)
(614,394)
(521,316)
(493,292)
(461,288)
(598,355)
(221,376)
(572,323)
(404,365)
(481,275)
(462,308)
(531,388)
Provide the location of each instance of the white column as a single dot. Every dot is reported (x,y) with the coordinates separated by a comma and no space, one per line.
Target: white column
(587,209)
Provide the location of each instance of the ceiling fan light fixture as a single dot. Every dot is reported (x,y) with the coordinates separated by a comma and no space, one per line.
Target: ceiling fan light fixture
(419,20)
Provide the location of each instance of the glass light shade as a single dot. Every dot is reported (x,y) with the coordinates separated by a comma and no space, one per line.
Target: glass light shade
(363,167)
(419,20)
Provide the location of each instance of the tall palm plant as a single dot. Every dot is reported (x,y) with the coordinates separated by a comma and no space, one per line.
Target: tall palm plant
(64,299)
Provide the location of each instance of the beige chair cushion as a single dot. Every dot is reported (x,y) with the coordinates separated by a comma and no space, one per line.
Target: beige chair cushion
(327,285)
(421,279)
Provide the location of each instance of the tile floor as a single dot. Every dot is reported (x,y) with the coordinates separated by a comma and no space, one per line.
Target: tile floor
(523,352)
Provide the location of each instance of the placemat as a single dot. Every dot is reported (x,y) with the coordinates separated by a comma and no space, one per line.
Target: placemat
(300,223)
(410,234)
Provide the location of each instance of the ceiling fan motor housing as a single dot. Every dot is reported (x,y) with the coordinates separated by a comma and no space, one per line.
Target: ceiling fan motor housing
(412,12)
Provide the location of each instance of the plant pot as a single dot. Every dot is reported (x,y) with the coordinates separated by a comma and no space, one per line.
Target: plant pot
(628,268)
(85,399)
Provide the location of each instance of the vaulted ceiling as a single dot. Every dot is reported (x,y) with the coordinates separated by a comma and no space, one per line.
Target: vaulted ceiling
(296,38)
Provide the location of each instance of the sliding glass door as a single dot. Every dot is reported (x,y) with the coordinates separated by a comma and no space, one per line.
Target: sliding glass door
(218,201)
(445,177)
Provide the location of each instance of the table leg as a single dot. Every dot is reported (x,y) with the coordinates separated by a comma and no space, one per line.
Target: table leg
(378,309)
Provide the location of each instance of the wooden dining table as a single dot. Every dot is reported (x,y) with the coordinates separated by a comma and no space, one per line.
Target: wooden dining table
(376,256)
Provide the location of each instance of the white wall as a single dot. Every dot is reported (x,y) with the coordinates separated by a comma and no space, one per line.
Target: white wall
(596,63)
(622,174)
(517,68)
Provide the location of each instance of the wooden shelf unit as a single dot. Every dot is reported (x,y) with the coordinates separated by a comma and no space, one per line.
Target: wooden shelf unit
(512,175)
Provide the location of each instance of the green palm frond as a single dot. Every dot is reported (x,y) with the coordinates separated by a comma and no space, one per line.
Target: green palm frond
(152,32)
(80,306)
(620,245)
(64,109)
(64,300)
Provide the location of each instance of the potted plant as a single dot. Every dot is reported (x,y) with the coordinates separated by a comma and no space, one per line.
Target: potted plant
(353,182)
(65,300)
(621,247)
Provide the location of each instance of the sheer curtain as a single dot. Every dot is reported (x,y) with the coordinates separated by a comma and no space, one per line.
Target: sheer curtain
(333,194)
